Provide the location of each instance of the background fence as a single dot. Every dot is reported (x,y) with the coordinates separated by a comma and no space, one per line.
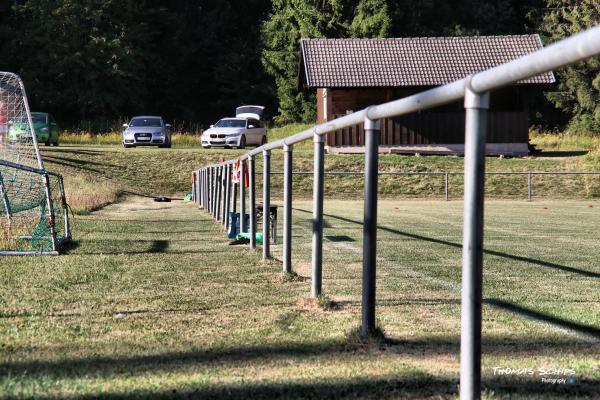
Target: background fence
(444,185)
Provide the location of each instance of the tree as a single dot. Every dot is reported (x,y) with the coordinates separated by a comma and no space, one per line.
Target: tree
(371,19)
(578,92)
(104,59)
(288,22)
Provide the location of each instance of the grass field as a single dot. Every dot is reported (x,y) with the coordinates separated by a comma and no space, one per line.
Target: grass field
(151,302)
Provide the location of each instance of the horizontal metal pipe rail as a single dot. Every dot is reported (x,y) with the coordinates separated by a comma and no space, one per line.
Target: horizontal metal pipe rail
(441,173)
(474,89)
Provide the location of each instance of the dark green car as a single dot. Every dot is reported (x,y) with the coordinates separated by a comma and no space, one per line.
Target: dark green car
(46,129)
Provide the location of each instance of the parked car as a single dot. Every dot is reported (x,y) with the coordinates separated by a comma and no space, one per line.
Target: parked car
(45,127)
(244,129)
(146,131)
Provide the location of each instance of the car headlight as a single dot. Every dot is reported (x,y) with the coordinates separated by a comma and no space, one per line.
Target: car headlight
(44,129)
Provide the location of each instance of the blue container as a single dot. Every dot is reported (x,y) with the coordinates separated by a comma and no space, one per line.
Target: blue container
(234,224)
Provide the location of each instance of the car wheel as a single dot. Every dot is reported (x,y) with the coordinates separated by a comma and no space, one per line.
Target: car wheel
(127,146)
(242,142)
(263,140)
(47,142)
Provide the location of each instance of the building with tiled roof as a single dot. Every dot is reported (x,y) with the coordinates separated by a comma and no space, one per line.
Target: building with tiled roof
(350,74)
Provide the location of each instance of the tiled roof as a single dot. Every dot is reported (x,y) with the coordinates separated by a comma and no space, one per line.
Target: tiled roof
(410,61)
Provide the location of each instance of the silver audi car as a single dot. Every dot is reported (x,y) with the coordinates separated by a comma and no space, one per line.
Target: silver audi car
(146,130)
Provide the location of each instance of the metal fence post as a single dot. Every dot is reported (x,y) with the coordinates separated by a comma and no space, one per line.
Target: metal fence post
(194,198)
(224,196)
(446,185)
(227,195)
(372,129)
(201,188)
(266,204)
(234,197)
(476,105)
(529,189)
(213,192)
(242,196)
(198,182)
(205,189)
(288,153)
(252,195)
(219,186)
(210,190)
(317,223)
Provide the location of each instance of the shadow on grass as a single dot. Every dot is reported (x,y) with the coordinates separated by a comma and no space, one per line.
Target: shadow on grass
(128,247)
(52,160)
(532,314)
(573,153)
(77,161)
(381,387)
(72,151)
(542,263)
(408,383)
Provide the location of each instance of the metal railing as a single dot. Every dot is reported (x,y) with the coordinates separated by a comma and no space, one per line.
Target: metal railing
(211,180)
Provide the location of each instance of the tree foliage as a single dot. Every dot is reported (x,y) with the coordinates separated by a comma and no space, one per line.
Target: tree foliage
(99,59)
(288,22)
(578,92)
(196,60)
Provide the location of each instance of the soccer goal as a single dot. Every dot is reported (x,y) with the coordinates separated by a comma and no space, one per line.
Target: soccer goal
(34,216)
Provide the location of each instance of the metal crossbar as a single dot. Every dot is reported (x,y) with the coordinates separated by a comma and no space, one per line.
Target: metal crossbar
(474,89)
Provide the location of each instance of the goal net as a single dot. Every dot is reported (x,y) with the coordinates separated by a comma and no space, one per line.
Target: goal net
(33,209)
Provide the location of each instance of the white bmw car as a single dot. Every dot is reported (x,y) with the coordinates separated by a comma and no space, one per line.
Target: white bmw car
(244,129)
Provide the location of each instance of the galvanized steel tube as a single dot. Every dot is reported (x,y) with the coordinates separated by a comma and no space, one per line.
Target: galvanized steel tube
(372,129)
(288,154)
(266,253)
(252,176)
(227,195)
(317,222)
(242,197)
(476,106)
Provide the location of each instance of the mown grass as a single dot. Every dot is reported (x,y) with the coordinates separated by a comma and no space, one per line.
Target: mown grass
(151,302)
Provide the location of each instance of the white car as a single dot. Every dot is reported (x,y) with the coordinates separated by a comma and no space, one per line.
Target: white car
(244,129)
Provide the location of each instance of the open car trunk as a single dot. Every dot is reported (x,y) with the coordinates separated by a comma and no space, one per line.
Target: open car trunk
(249,112)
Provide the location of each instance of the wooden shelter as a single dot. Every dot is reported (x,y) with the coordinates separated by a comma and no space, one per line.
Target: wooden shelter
(351,74)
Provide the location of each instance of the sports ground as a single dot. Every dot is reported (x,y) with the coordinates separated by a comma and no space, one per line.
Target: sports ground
(151,301)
